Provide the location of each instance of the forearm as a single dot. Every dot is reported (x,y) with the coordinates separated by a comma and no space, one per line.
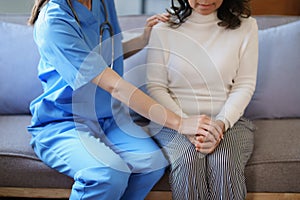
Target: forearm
(161,94)
(136,99)
(134,45)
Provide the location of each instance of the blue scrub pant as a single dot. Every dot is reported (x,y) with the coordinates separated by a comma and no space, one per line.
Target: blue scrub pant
(107,160)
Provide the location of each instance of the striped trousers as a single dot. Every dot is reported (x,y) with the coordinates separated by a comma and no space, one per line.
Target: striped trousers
(216,176)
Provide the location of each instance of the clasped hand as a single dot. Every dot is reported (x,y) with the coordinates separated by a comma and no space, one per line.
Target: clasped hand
(203,132)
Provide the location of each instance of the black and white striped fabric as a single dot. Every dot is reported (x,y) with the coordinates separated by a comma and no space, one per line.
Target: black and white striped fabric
(216,176)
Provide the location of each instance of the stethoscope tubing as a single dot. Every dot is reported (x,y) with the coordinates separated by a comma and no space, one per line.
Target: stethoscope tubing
(103,26)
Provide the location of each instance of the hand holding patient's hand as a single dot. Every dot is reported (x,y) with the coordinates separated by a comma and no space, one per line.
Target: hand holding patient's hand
(206,135)
(200,125)
(207,144)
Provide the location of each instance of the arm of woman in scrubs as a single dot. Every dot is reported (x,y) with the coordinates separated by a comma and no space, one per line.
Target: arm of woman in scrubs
(136,44)
(134,98)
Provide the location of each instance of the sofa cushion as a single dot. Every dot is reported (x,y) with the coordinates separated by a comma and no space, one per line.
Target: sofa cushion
(268,170)
(277,91)
(274,164)
(14,18)
(20,167)
(268,21)
(18,65)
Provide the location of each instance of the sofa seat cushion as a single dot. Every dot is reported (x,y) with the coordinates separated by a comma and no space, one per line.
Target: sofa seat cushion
(268,170)
(275,162)
(19,165)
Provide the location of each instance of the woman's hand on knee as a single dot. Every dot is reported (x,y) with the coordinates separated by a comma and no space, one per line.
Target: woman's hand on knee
(206,144)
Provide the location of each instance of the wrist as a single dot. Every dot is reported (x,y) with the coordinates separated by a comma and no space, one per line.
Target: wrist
(145,37)
(159,114)
(221,124)
(225,122)
(174,122)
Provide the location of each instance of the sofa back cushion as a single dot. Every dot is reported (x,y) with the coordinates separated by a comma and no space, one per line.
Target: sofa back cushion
(19,58)
(277,92)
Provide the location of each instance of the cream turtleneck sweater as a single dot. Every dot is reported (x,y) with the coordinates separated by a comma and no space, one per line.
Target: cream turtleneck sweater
(202,68)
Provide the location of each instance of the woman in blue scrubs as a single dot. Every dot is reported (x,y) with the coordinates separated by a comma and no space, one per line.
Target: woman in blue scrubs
(80,126)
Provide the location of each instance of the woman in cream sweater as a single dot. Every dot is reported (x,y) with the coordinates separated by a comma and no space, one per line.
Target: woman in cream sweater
(205,63)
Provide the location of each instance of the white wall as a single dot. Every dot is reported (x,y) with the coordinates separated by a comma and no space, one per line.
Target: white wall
(124,7)
(157,6)
(135,6)
(16,6)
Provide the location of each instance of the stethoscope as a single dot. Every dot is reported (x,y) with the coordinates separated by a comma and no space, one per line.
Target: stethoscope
(106,25)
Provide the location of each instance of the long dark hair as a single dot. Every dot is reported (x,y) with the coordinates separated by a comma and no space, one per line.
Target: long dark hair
(178,14)
(38,4)
(230,13)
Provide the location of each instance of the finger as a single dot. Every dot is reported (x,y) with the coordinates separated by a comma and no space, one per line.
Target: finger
(162,17)
(204,119)
(221,125)
(153,20)
(191,139)
(206,147)
(211,128)
(218,128)
(202,132)
(152,23)
(201,138)
(213,123)
(203,124)
(208,139)
(205,150)
(215,133)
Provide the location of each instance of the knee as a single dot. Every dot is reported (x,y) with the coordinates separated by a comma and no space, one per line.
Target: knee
(107,179)
(149,162)
(157,174)
(189,158)
(225,161)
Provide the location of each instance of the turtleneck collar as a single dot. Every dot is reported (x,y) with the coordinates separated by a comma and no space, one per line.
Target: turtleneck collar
(202,19)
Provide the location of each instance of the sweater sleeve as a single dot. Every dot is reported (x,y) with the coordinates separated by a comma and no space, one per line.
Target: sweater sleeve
(157,71)
(244,83)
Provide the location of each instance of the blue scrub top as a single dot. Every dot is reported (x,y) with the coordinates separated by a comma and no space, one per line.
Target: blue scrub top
(70,60)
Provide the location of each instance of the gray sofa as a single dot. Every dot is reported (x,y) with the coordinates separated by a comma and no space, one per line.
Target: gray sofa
(275,163)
